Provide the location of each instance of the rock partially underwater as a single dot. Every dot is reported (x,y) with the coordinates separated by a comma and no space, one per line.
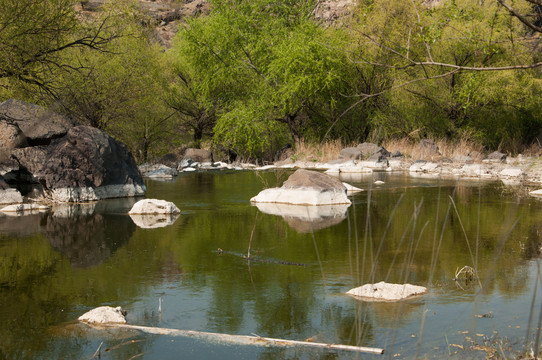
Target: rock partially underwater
(383,291)
(306,187)
(104,315)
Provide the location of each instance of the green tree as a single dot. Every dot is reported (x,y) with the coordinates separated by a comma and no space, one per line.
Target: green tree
(122,90)
(35,34)
(265,69)
(452,69)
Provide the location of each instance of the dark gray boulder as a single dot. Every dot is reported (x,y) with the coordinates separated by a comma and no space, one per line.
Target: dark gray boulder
(369,149)
(87,164)
(350,153)
(38,124)
(198,155)
(496,156)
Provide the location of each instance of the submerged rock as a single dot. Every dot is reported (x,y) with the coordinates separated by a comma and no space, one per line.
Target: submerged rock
(154,206)
(104,315)
(383,291)
(306,187)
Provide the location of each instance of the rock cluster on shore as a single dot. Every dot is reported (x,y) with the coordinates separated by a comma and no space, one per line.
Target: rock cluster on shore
(63,162)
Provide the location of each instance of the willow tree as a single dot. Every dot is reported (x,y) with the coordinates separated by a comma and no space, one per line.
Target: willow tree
(455,67)
(260,67)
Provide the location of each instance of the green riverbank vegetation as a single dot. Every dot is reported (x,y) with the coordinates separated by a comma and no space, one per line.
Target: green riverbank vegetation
(249,77)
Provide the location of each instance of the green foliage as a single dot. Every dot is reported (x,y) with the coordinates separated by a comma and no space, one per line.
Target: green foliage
(34,36)
(418,47)
(122,89)
(262,67)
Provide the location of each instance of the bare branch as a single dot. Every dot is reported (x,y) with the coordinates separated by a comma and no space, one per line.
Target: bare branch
(520,17)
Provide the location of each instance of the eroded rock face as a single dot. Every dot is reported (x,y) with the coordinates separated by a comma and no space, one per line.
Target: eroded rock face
(11,137)
(383,291)
(104,315)
(38,124)
(306,187)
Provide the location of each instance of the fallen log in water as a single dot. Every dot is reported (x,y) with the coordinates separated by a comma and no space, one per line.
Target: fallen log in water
(245,339)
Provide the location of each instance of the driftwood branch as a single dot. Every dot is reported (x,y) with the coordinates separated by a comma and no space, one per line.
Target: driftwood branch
(245,339)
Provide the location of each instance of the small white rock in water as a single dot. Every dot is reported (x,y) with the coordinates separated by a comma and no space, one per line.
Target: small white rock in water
(387,292)
(537,193)
(154,206)
(379,182)
(104,315)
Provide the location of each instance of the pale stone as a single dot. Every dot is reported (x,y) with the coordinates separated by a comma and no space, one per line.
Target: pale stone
(10,196)
(153,221)
(511,172)
(424,166)
(154,206)
(379,182)
(104,315)
(301,196)
(20,209)
(82,194)
(383,291)
(189,169)
(375,165)
(536,193)
(356,169)
(163,173)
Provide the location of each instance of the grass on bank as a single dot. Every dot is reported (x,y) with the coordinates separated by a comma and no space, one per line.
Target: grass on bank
(316,152)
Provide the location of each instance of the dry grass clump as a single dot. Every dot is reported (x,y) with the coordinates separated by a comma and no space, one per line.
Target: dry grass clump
(315,152)
(447,148)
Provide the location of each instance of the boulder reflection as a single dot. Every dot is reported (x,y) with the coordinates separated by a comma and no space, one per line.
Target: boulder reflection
(88,234)
(306,219)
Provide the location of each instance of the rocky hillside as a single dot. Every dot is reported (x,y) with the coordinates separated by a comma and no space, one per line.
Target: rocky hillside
(168,14)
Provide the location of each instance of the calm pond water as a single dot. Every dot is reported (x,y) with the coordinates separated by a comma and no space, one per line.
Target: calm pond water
(56,266)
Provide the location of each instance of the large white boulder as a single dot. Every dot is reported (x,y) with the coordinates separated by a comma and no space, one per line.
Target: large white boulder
(306,187)
(383,291)
(154,206)
(104,315)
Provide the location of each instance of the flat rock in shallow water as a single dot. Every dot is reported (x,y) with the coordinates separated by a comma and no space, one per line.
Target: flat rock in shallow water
(383,291)
(104,315)
(154,206)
